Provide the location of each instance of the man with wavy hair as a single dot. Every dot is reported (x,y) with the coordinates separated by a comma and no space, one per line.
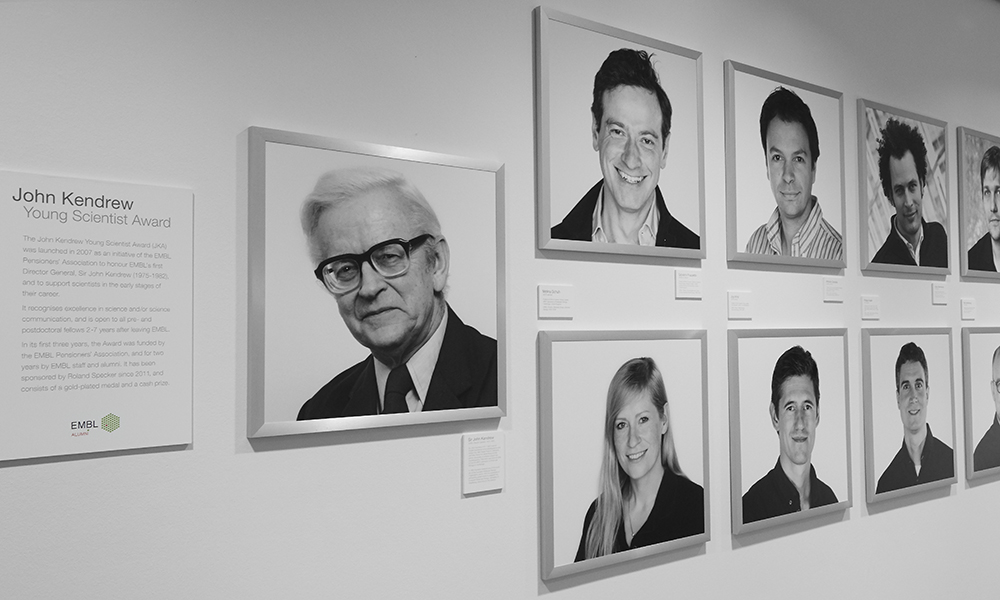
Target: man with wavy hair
(631,133)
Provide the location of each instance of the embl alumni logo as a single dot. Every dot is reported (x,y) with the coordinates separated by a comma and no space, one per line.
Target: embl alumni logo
(109,423)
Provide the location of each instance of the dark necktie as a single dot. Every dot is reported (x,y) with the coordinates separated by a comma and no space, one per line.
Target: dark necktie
(396,387)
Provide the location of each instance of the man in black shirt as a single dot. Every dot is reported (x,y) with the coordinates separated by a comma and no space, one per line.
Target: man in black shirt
(922,458)
(792,485)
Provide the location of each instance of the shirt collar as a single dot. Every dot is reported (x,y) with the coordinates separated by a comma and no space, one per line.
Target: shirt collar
(421,367)
(804,237)
(914,250)
(647,233)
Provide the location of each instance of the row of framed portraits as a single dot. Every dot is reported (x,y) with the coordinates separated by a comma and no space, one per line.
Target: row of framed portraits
(789,417)
(570,50)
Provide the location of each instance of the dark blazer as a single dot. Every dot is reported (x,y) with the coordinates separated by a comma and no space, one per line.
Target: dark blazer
(579,223)
(981,255)
(465,376)
(933,250)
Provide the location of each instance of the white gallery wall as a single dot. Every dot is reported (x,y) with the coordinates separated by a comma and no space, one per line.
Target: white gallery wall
(159,92)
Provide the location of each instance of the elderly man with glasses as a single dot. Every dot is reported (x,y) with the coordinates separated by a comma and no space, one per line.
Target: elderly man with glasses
(987,454)
(379,251)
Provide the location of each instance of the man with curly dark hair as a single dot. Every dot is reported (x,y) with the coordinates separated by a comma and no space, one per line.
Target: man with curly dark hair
(902,168)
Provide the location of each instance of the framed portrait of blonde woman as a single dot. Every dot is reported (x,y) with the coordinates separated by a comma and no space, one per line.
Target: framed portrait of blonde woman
(623,444)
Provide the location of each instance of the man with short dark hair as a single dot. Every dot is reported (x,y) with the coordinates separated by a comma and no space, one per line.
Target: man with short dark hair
(380,253)
(792,485)
(902,169)
(987,454)
(796,227)
(630,130)
(984,255)
(922,457)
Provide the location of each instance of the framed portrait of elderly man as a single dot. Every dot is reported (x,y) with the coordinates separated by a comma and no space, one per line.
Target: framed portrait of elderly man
(374,282)
(909,411)
(979,203)
(785,199)
(620,167)
(789,426)
(903,191)
(623,447)
(981,400)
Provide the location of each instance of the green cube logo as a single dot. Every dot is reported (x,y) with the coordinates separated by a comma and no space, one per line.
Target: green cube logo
(110,422)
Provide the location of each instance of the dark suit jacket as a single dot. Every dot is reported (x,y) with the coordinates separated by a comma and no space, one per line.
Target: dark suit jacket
(933,250)
(465,376)
(981,255)
(579,223)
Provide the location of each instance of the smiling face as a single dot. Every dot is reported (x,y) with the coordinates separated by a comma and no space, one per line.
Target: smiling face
(638,434)
(631,146)
(393,317)
(991,202)
(907,195)
(911,396)
(796,420)
(790,168)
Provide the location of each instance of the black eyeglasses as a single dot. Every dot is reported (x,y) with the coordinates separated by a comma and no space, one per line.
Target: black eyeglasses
(391,258)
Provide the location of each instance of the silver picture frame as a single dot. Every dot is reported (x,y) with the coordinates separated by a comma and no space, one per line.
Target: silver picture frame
(979,402)
(569,50)
(753,354)
(972,145)
(749,200)
(575,370)
(880,349)
(296,339)
(875,210)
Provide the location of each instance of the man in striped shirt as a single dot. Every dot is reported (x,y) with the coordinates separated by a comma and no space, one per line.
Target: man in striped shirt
(796,228)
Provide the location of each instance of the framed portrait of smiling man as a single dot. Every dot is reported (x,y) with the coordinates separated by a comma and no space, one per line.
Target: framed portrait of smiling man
(789,426)
(620,167)
(623,447)
(374,285)
(908,396)
(903,191)
(979,203)
(785,199)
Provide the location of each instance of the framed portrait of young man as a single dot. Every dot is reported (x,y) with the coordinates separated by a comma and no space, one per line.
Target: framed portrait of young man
(785,199)
(979,203)
(620,167)
(903,191)
(981,400)
(374,282)
(789,426)
(909,411)
(623,447)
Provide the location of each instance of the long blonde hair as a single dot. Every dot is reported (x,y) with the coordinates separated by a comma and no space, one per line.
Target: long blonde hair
(638,375)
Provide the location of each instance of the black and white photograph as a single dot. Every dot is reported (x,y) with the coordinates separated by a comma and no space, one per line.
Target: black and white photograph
(619,141)
(981,394)
(909,411)
(623,443)
(785,195)
(903,190)
(979,203)
(789,426)
(374,285)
